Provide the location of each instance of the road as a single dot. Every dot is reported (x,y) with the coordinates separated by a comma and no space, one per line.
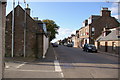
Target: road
(65,62)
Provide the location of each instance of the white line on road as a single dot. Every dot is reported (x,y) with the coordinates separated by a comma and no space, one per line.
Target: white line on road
(7,67)
(21,65)
(57,66)
(55,54)
(62,75)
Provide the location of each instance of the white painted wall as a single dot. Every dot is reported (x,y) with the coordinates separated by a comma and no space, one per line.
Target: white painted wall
(45,45)
(74,39)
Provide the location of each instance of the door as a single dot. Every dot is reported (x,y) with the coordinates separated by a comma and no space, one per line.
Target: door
(106,47)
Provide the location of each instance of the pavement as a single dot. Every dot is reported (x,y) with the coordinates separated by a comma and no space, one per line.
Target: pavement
(111,54)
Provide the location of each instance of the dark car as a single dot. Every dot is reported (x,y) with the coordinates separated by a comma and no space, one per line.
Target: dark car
(69,45)
(89,48)
(54,44)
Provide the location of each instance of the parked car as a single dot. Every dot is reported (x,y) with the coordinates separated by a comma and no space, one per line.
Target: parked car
(89,48)
(69,45)
(54,44)
(65,44)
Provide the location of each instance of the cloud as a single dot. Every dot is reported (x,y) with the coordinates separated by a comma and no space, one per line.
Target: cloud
(114,8)
(64,33)
(116,16)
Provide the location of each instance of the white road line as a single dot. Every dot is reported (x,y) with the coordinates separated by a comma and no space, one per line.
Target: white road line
(55,54)
(7,67)
(57,66)
(62,75)
(21,65)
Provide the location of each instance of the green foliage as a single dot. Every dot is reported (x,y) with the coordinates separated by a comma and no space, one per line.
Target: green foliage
(52,27)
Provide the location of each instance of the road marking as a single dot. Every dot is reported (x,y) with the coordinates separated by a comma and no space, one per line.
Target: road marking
(55,54)
(62,75)
(21,65)
(7,67)
(57,66)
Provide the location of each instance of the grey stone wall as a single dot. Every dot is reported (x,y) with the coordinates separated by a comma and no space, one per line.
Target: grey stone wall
(39,44)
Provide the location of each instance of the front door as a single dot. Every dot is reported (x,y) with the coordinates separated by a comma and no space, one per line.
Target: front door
(106,47)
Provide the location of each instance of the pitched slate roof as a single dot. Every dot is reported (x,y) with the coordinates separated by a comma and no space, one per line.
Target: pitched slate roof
(110,37)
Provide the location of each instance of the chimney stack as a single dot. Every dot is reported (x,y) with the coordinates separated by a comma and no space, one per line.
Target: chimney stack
(28,9)
(105,12)
(85,23)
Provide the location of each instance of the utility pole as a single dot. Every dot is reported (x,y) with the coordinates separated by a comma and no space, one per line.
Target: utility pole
(13,21)
(25,31)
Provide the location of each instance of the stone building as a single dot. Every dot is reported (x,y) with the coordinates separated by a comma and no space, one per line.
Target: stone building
(2,35)
(109,41)
(93,27)
(32,41)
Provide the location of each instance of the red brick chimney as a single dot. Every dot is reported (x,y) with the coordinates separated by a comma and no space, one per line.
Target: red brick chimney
(105,12)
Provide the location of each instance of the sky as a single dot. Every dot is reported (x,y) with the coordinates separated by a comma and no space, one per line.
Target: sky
(68,15)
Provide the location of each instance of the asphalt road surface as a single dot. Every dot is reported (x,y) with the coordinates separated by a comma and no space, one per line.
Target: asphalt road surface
(65,62)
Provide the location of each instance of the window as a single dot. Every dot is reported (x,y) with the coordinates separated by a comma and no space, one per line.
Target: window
(93,29)
(93,33)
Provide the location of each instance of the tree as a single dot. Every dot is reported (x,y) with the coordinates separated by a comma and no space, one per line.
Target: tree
(52,27)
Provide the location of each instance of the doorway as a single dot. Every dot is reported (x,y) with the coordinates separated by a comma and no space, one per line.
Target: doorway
(106,47)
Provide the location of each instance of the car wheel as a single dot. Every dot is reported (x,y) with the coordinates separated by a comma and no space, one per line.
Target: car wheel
(96,51)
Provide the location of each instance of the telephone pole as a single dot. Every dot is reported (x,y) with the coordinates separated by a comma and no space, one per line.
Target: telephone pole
(13,21)
(25,31)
